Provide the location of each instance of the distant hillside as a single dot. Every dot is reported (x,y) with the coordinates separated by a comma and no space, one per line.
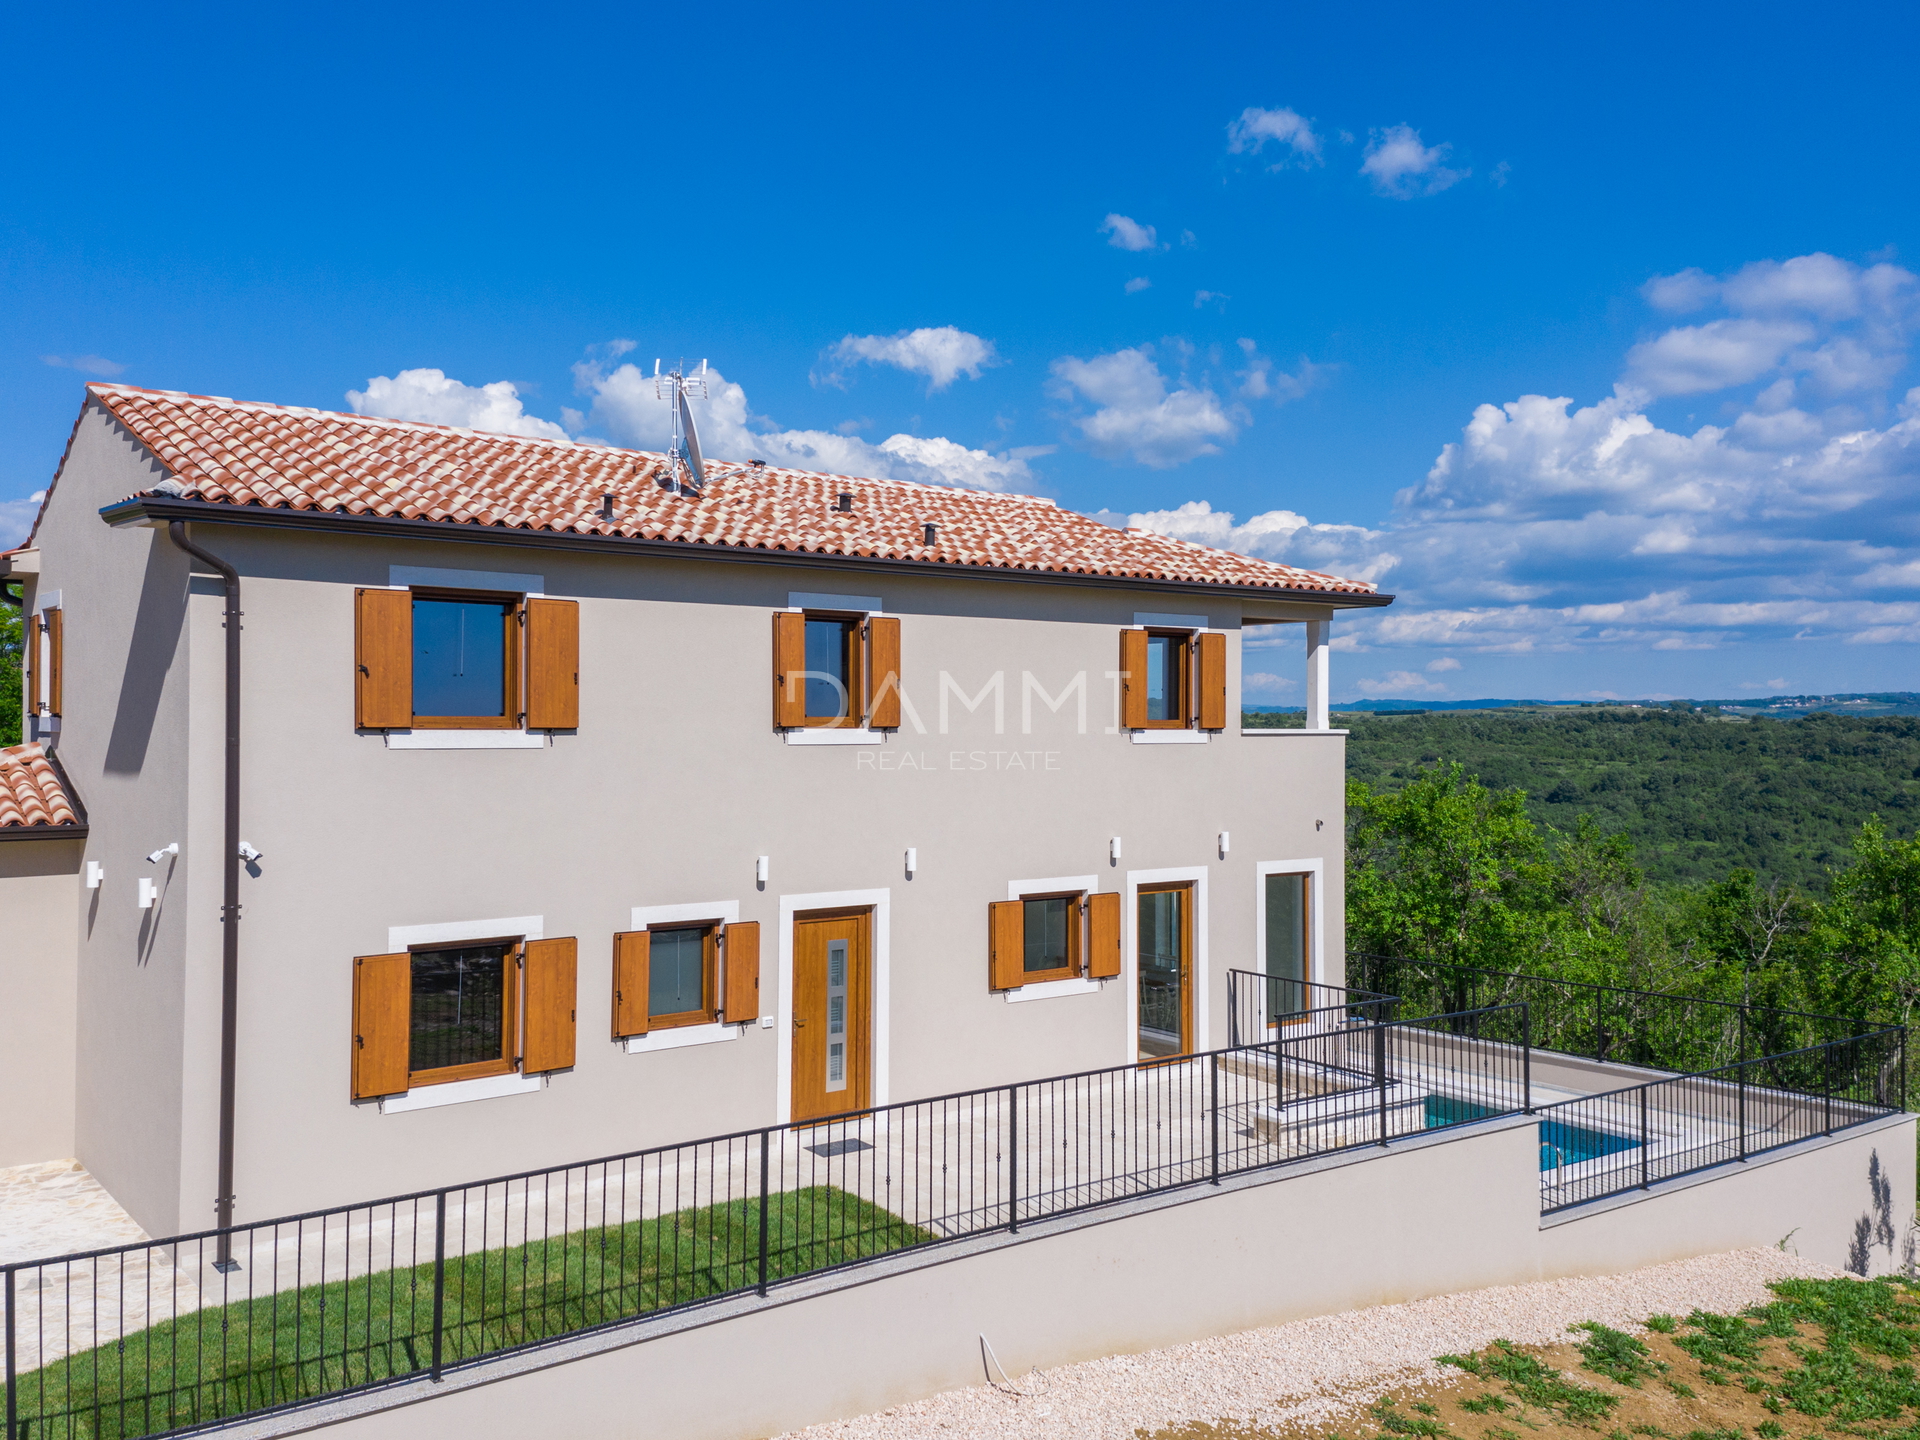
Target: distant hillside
(1773,707)
(1700,793)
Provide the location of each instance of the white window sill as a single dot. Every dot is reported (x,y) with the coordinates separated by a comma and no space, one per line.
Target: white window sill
(822,736)
(1054,990)
(466,740)
(683,1035)
(458,1092)
(1252,734)
(1172,737)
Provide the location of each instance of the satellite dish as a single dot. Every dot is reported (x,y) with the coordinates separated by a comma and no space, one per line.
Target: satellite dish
(691,439)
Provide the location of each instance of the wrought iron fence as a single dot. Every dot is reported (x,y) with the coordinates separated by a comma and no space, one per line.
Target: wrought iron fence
(145,1339)
(1629,1139)
(1605,1022)
(1263,1007)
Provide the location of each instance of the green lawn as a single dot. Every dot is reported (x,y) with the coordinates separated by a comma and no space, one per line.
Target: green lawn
(300,1344)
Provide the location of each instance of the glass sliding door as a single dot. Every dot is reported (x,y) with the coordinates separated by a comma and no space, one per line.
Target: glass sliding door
(1288,955)
(1165,936)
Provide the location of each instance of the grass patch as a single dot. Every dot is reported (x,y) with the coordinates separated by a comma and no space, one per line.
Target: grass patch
(301,1344)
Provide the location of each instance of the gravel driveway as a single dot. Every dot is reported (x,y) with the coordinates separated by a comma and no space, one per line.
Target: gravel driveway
(1313,1371)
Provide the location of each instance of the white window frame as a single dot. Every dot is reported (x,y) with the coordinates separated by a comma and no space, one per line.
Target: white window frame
(1130,953)
(678,1037)
(487,1087)
(880,902)
(1315,869)
(1054,989)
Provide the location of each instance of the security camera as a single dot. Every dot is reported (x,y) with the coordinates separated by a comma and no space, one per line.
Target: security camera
(173,849)
(248,853)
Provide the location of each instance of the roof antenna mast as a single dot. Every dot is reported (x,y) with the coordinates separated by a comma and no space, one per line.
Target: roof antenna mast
(686,472)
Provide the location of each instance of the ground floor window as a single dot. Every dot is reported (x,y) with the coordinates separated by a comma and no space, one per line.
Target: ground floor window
(461,1012)
(680,975)
(1288,958)
(1050,926)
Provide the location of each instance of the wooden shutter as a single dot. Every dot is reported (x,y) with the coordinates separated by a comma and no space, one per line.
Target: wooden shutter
(631,952)
(553,664)
(1133,679)
(383,659)
(1103,935)
(55,629)
(740,943)
(883,672)
(1007,945)
(789,659)
(547,980)
(382,1024)
(36,667)
(1213,681)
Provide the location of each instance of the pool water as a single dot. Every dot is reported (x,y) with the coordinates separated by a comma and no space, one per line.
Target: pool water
(1560,1143)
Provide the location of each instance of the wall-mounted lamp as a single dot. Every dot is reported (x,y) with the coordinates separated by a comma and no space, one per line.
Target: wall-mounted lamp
(1223,844)
(248,853)
(172,849)
(1113,849)
(913,861)
(149,892)
(760,870)
(95,874)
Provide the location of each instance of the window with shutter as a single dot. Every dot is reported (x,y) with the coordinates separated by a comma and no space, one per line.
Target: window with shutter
(53,630)
(1103,935)
(549,979)
(740,943)
(1006,945)
(1211,683)
(883,672)
(36,667)
(382,1001)
(383,660)
(630,955)
(466,660)
(683,977)
(553,664)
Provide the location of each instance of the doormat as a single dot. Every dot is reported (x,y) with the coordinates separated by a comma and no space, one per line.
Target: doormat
(839,1147)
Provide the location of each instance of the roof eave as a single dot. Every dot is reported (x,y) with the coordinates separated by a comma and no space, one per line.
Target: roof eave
(42,832)
(157,509)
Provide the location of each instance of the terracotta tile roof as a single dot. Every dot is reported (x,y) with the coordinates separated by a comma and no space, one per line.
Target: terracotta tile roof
(32,792)
(240,453)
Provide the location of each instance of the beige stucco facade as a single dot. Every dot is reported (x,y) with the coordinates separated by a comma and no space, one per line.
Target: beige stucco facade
(39,915)
(671,789)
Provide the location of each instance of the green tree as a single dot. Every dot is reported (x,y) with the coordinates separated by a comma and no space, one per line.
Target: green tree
(10,645)
(1864,949)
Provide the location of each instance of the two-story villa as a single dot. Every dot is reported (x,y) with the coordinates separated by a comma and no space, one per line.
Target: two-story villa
(459,803)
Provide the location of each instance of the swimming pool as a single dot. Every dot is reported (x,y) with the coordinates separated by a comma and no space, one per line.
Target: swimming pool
(1560,1143)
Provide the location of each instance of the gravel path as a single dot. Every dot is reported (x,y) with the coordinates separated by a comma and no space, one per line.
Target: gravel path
(1312,1372)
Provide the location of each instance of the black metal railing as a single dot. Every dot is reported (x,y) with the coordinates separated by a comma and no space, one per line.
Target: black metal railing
(1605,1022)
(1629,1139)
(1264,1007)
(145,1339)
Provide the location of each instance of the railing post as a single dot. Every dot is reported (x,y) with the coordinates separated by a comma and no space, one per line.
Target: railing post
(1013,1164)
(1644,1172)
(1380,1075)
(1743,1096)
(1599,1024)
(12,1372)
(1213,1113)
(765,1141)
(1526,1056)
(1826,1087)
(439,1279)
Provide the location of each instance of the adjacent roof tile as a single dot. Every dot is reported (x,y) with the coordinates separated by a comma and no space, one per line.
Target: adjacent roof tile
(32,792)
(240,453)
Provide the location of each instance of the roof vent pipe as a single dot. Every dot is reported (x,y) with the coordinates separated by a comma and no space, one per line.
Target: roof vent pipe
(845,505)
(930,534)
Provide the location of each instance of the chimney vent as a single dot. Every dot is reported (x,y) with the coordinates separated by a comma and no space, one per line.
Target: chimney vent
(930,534)
(606,507)
(845,505)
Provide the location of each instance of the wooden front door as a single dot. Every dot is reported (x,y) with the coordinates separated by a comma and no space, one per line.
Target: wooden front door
(832,1014)
(1163,934)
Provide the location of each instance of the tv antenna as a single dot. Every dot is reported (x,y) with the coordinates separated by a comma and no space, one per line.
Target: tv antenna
(687,472)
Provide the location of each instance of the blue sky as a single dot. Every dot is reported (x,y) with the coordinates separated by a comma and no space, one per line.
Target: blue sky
(1587,333)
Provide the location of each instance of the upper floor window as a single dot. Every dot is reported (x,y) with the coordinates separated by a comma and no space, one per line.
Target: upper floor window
(836,671)
(465,660)
(1173,679)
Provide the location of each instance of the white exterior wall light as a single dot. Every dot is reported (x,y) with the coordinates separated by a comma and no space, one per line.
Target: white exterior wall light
(149,892)
(760,870)
(913,861)
(95,874)
(1113,850)
(1224,837)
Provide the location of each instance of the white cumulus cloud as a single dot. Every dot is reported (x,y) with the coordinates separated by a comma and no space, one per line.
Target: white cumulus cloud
(1126,234)
(86,364)
(432,396)
(1137,416)
(626,407)
(1400,166)
(941,353)
(1250,133)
